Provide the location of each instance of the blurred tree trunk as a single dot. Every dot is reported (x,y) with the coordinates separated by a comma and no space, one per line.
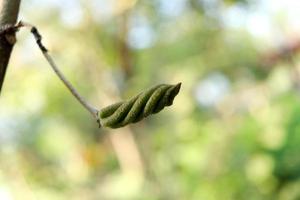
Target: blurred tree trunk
(9,10)
(124,49)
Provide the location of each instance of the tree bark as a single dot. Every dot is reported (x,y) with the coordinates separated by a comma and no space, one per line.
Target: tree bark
(9,10)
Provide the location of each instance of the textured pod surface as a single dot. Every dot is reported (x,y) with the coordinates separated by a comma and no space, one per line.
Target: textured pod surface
(144,104)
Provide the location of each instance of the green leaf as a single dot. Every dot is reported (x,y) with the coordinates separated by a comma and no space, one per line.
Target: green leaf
(144,104)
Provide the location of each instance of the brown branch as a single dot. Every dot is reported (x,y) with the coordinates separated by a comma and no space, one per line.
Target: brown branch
(9,10)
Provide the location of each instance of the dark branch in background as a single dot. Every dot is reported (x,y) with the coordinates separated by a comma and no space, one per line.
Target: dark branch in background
(285,53)
(9,10)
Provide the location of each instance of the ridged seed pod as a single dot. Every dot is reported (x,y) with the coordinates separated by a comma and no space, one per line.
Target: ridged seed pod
(144,104)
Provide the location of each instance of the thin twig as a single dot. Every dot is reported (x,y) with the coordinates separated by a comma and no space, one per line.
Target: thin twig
(51,62)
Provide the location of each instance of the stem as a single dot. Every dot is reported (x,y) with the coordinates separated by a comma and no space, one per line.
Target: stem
(90,108)
(51,62)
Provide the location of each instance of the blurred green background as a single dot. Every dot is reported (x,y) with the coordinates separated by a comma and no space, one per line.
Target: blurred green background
(232,133)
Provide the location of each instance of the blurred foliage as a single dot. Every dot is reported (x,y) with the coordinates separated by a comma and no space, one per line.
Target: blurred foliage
(232,133)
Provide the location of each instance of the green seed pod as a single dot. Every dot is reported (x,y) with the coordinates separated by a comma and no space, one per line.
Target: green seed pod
(144,104)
